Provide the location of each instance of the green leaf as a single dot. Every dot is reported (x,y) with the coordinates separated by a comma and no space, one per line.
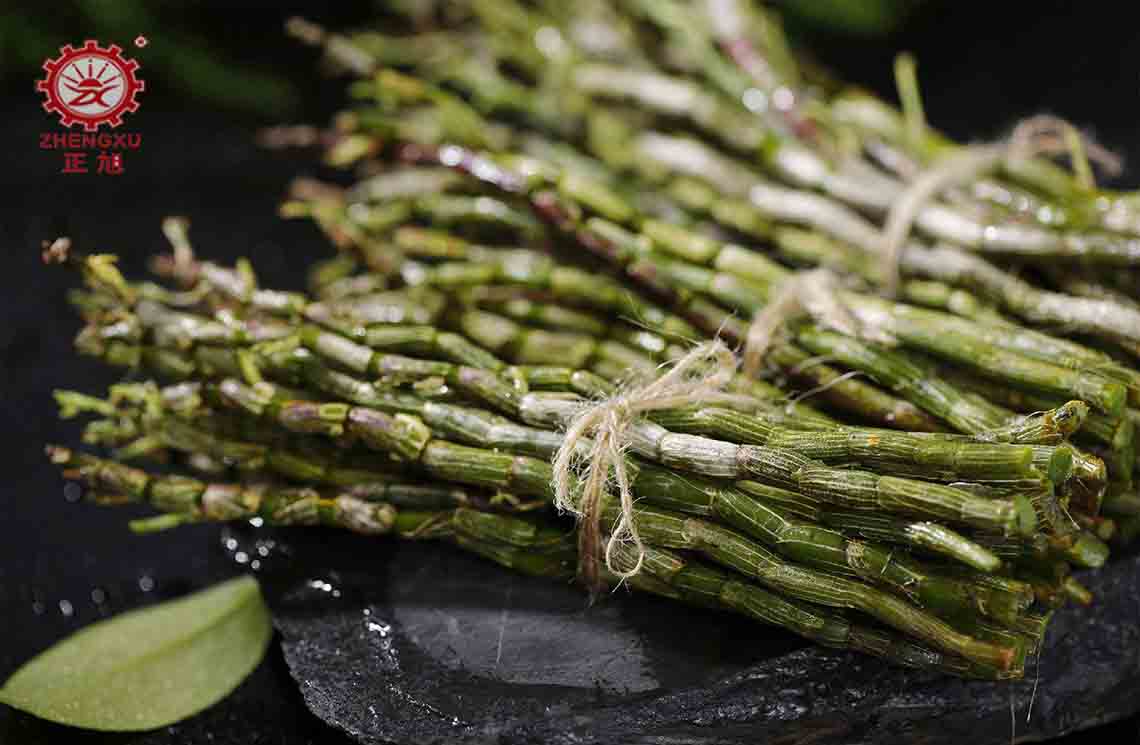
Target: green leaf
(151,667)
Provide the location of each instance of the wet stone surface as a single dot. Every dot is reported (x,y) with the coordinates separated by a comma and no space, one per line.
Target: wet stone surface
(430,645)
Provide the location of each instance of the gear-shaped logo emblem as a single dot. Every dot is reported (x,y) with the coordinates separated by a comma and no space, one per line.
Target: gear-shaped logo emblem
(91,85)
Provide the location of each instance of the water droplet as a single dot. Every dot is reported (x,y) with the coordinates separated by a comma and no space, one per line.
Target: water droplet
(320,584)
(382,629)
(413,275)
(549,41)
(72,492)
(66,608)
(358,212)
(206,464)
(253,548)
(755,100)
(783,98)
(146,583)
(256,522)
(485,171)
(38,606)
(450,155)
(98,595)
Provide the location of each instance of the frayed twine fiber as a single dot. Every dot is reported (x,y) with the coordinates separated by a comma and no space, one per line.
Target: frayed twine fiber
(699,375)
(813,293)
(1043,134)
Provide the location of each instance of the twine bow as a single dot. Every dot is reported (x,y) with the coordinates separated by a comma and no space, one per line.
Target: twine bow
(1038,135)
(700,374)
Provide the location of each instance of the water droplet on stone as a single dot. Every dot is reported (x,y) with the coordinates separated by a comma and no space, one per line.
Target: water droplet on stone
(382,629)
(98,595)
(248,546)
(66,608)
(320,584)
(146,583)
(72,492)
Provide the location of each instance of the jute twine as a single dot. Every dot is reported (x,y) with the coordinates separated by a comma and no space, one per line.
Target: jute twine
(582,470)
(814,293)
(1038,135)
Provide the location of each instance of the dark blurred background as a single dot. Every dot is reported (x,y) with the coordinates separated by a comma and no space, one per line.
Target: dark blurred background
(216,72)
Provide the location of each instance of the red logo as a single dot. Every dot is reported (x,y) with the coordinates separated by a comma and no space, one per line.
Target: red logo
(91,86)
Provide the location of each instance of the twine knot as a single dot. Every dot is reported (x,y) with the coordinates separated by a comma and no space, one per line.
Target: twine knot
(589,469)
(814,293)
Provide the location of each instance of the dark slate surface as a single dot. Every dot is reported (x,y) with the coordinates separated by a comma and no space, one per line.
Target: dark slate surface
(433,646)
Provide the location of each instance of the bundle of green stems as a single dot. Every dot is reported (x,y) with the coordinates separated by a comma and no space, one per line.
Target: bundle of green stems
(555,205)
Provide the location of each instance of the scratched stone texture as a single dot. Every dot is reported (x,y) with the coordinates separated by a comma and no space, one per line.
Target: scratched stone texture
(425,644)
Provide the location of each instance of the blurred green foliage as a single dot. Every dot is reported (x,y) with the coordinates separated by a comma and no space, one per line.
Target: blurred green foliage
(854,17)
(198,51)
(187,61)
